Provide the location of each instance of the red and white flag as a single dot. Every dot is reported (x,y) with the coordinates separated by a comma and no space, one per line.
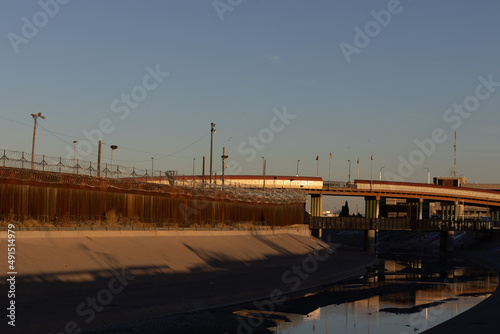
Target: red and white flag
(331,156)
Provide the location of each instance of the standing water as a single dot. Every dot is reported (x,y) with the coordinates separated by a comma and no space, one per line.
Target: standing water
(401,296)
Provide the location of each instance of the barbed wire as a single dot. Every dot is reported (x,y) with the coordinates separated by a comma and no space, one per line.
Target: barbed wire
(51,170)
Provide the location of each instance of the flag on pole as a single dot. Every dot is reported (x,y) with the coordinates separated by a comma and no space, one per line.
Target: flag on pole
(358,160)
(317,157)
(372,156)
(331,156)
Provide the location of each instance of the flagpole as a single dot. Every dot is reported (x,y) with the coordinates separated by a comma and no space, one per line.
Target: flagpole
(371,178)
(329,169)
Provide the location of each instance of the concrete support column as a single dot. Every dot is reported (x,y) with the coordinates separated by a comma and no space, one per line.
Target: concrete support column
(372,207)
(368,208)
(316,205)
(420,209)
(445,212)
(370,236)
(446,243)
(316,211)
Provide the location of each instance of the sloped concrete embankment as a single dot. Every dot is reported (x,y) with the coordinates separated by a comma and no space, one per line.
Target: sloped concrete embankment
(85,279)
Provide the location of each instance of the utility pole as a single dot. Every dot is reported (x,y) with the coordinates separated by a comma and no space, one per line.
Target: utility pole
(212,131)
(224,157)
(203,173)
(152,165)
(35,117)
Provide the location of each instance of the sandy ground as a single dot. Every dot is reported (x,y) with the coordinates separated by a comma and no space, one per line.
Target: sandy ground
(68,284)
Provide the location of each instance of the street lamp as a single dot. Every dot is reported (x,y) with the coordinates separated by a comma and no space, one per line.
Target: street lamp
(35,117)
(380,176)
(152,165)
(112,147)
(74,149)
(298,168)
(349,171)
(212,131)
(428,175)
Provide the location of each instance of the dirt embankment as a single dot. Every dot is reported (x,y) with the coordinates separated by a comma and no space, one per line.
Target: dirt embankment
(90,279)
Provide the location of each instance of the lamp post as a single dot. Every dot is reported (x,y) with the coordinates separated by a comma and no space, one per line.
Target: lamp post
(35,117)
(380,176)
(298,168)
(152,165)
(428,175)
(112,147)
(349,171)
(194,159)
(74,149)
(224,156)
(212,131)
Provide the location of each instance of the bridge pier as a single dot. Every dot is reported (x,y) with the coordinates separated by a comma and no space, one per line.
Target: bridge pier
(446,242)
(316,211)
(449,212)
(370,236)
(372,207)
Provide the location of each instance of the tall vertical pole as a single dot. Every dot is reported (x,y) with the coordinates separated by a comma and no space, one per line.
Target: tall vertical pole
(224,157)
(358,167)
(329,168)
(212,130)
(74,149)
(317,166)
(349,171)
(194,159)
(455,157)
(35,117)
(33,147)
(264,184)
(99,160)
(371,176)
(298,168)
(152,165)
(203,172)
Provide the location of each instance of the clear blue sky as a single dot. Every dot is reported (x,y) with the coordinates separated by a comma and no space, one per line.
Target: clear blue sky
(264,56)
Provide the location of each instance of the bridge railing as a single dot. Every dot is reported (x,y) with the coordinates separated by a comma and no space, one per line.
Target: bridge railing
(338,184)
(397,224)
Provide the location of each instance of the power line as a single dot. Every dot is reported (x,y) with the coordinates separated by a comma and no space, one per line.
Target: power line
(160,155)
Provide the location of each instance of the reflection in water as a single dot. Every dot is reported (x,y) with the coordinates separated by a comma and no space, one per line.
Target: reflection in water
(446,295)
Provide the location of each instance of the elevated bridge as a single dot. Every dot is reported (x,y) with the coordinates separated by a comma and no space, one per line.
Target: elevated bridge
(374,191)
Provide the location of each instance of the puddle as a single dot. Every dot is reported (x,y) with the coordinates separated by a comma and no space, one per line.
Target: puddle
(401,296)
